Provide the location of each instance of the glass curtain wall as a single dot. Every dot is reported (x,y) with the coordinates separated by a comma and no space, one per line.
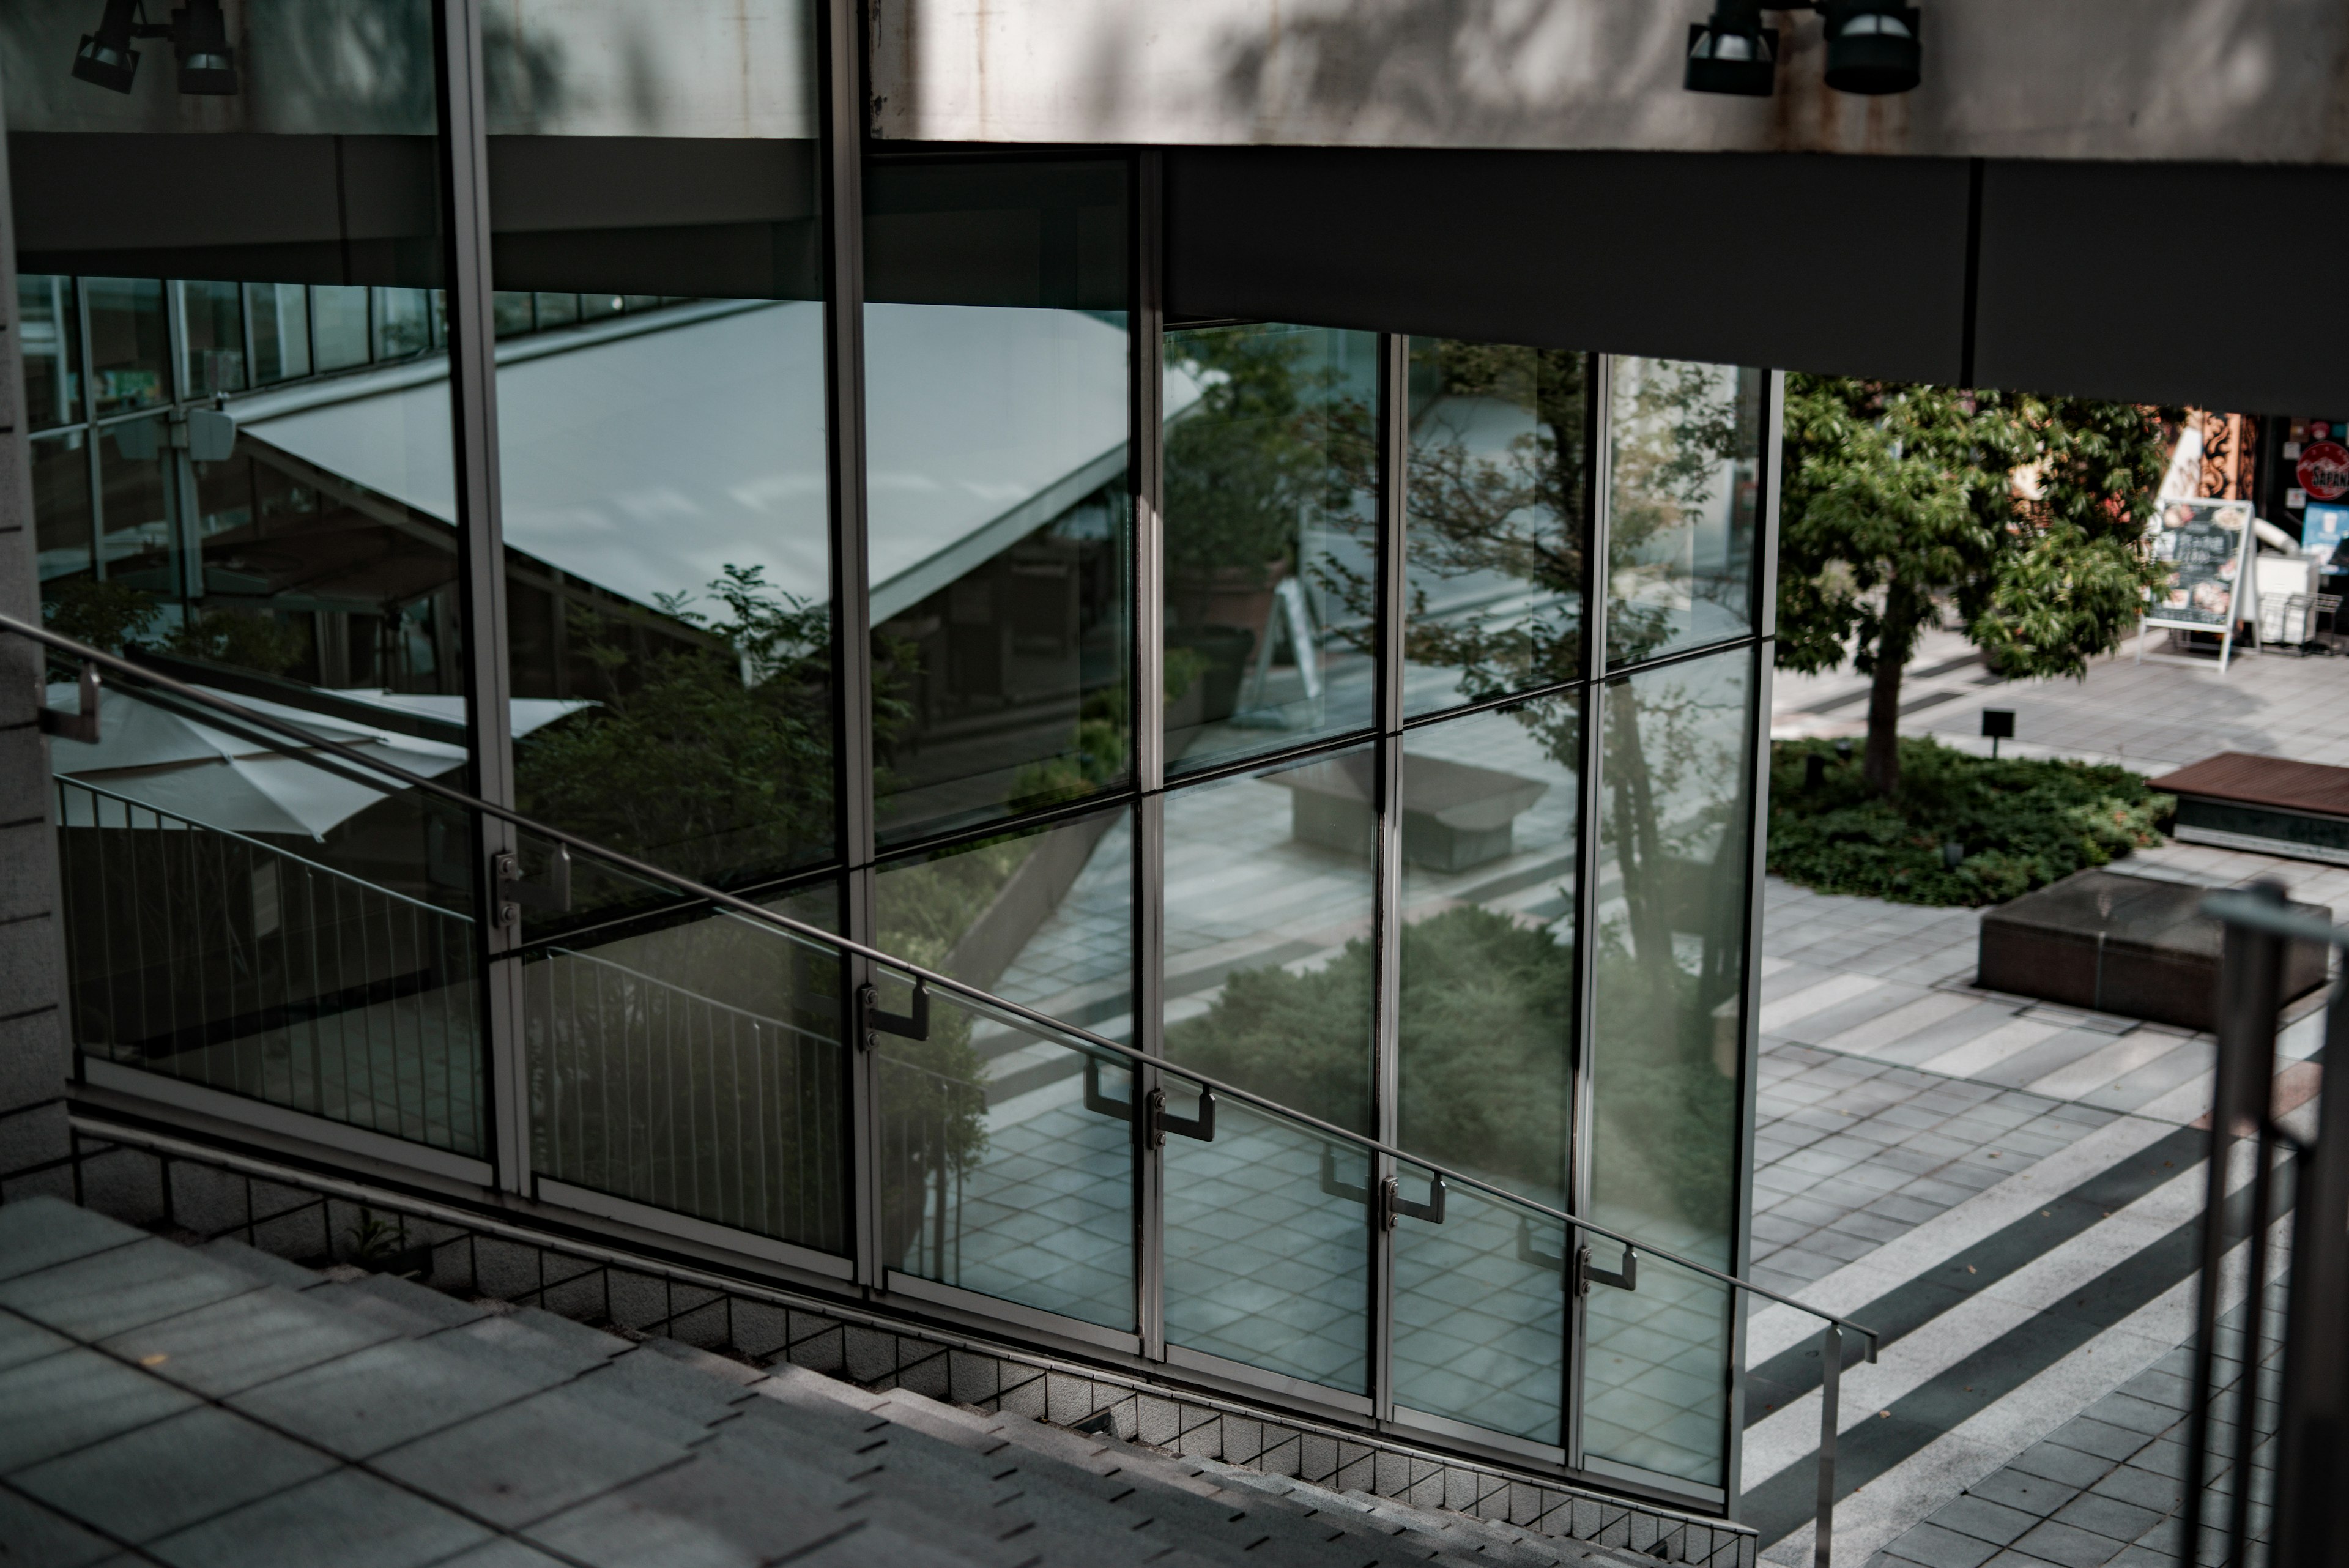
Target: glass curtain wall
(1476,883)
(660,397)
(206,503)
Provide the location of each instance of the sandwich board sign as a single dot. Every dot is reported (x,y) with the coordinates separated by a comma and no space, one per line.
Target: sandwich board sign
(2207,547)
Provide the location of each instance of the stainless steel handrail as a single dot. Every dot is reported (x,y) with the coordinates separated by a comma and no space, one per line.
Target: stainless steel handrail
(1832,1346)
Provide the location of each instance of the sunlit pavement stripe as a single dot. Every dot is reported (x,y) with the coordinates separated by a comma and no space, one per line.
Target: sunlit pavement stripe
(1792,1008)
(1937,1240)
(1880,1512)
(1885,1028)
(1986,1051)
(1994,1312)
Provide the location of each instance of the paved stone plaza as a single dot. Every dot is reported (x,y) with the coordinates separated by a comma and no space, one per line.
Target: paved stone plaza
(2007,1190)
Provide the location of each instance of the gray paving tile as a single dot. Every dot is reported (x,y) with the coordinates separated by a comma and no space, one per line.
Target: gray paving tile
(36,1233)
(1984,1520)
(234,1345)
(706,1513)
(346,1517)
(376,1398)
(1935,1547)
(2068,1546)
(503,1552)
(525,1462)
(94,1297)
(34,1536)
(159,1478)
(72,1399)
(21,1340)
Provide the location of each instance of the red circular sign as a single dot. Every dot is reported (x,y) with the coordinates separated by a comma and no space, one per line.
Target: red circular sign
(2324,469)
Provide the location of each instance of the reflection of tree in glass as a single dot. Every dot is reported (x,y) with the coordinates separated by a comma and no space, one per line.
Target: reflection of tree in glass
(115,616)
(714,761)
(1675,427)
(1249,460)
(933,1091)
(1519,515)
(1666,1033)
(1484,1020)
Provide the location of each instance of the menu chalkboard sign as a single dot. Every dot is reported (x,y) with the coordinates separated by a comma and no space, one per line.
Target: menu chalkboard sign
(2205,545)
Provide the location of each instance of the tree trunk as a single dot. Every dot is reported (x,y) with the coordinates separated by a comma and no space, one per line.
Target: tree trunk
(1881,764)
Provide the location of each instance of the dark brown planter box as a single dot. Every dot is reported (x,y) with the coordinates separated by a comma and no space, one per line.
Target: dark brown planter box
(2132,945)
(1454,816)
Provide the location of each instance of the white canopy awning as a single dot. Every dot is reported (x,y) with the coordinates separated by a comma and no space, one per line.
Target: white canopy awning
(663,448)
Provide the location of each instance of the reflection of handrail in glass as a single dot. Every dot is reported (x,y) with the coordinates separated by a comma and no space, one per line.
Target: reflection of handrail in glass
(1013,1013)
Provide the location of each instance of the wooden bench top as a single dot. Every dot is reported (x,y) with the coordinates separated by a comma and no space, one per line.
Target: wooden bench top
(2262,781)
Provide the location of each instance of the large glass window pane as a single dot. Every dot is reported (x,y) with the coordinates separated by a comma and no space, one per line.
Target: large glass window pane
(61,527)
(129,348)
(1668,978)
(136,544)
(695,1066)
(213,318)
(1269,879)
(238,916)
(1485,1024)
(280,315)
(1480,1313)
(669,557)
(996,427)
(339,326)
(1270,560)
(1493,579)
(1489,823)
(1269,1246)
(1685,487)
(49,327)
(1006,1164)
(403,322)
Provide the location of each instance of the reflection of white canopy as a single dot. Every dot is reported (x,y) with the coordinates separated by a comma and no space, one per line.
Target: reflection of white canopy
(664,448)
(190,770)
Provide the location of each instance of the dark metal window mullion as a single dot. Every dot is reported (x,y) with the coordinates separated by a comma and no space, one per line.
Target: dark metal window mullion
(1597,466)
(1393,438)
(481,542)
(1765,624)
(1146,481)
(840,91)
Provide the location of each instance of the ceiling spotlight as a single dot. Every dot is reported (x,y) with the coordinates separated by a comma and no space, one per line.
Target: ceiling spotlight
(1732,53)
(199,35)
(1872,46)
(105,58)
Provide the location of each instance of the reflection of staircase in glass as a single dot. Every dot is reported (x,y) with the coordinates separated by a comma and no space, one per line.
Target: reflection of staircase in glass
(220,960)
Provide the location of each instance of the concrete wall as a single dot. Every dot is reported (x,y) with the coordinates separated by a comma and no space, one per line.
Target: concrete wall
(569,67)
(2246,81)
(33,1057)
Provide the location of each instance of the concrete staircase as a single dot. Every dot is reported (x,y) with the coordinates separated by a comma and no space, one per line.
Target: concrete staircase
(218,1405)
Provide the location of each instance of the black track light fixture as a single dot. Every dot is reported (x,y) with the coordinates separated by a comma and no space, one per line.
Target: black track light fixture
(105,58)
(1872,48)
(1732,53)
(199,35)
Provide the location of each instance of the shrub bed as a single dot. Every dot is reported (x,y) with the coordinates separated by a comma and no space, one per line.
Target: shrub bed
(2020,824)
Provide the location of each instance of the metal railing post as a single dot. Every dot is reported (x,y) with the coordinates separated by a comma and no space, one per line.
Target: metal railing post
(1830,1389)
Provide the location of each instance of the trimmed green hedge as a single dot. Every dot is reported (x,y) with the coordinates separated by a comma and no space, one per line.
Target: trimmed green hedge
(2023,824)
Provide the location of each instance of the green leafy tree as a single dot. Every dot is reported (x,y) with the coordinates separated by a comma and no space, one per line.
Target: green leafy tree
(715,760)
(1902,505)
